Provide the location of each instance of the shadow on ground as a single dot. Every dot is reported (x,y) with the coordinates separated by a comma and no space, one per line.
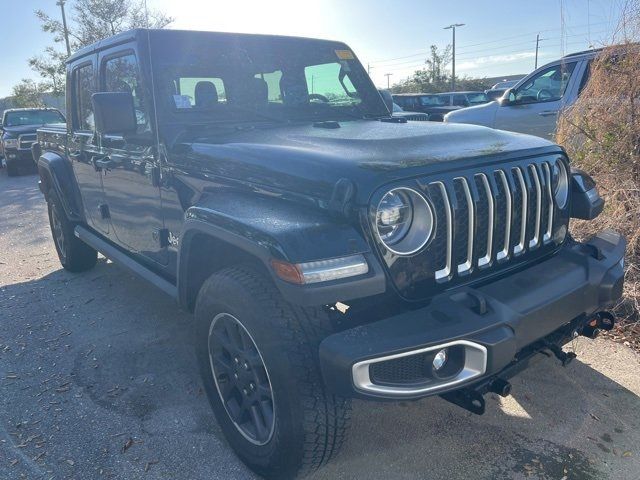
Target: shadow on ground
(126,350)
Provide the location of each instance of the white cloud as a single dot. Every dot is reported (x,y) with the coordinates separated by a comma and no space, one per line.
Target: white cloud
(491,60)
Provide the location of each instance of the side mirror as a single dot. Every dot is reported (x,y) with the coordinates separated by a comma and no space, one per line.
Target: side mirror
(586,202)
(508,98)
(114,113)
(387,98)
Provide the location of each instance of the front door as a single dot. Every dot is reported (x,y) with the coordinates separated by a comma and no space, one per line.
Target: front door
(535,105)
(129,165)
(83,148)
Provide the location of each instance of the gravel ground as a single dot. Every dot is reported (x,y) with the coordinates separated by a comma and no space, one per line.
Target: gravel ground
(98,380)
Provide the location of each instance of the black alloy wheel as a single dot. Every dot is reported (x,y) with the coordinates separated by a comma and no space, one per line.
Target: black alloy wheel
(241,379)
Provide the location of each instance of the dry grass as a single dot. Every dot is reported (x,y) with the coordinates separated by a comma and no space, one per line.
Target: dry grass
(601,133)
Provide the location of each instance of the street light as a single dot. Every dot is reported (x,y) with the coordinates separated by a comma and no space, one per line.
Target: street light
(453,56)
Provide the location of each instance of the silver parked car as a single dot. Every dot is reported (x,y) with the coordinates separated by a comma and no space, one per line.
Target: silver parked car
(532,106)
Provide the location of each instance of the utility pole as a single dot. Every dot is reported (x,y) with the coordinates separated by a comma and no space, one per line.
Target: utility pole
(538,40)
(369,67)
(388,75)
(453,57)
(61,3)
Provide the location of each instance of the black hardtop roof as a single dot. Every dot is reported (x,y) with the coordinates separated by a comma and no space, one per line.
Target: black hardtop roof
(136,34)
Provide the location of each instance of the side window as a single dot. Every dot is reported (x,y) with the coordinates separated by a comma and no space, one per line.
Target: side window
(548,85)
(460,100)
(272,80)
(121,75)
(200,92)
(84,87)
(585,77)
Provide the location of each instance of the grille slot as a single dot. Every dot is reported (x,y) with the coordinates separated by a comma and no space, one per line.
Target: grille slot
(485,218)
(403,370)
(25,141)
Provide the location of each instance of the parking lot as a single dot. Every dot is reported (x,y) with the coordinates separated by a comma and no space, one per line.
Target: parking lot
(98,380)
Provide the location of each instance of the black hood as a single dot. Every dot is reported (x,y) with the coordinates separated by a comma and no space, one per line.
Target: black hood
(310,160)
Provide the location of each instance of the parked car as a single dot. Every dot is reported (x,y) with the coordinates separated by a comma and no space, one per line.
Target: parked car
(397,111)
(532,106)
(327,251)
(505,84)
(464,99)
(430,103)
(18,131)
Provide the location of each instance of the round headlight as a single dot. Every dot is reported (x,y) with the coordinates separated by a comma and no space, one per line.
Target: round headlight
(560,183)
(404,221)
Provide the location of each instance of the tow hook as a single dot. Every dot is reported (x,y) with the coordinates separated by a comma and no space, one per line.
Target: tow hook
(500,386)
(565,357)
(600,321)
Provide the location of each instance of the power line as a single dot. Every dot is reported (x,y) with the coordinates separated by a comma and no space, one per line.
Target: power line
(487,51)
(483,67)
(463,47)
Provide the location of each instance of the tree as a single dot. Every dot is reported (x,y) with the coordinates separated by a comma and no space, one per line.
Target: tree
(51,68)
(90,21)
(437,64)
(28,93)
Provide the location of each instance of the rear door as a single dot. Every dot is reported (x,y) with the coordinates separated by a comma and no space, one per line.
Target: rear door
(130,173)
(536,102)
(82,147)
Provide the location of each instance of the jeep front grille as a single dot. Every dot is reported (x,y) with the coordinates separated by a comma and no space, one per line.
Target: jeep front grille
(491,217)
(486,219)
(417,118)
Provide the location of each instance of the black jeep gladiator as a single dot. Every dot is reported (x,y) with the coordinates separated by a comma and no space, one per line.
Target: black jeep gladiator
(18,128)
(328,250)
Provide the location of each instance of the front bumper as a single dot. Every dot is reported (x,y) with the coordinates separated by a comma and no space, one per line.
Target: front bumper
(492,323)
(21,155)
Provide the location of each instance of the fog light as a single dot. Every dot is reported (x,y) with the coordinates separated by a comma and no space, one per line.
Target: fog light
(440,359)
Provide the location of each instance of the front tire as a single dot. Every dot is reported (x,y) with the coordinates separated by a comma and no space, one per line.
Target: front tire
(12,168)
(300,426)
(74,254)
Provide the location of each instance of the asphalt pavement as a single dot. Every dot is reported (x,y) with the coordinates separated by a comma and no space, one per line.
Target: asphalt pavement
(98,380)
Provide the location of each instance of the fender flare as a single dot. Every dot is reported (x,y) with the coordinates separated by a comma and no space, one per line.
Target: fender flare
(299,234)
(56,172)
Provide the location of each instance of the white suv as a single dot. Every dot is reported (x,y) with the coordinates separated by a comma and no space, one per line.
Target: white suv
(532,105)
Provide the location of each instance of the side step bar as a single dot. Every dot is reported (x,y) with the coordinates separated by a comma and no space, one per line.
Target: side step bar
(124,260)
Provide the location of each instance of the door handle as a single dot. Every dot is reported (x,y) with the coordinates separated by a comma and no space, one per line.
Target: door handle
(548,113)
(103,163)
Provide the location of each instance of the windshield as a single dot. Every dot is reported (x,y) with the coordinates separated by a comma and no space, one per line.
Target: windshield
(32,117)
(222,78)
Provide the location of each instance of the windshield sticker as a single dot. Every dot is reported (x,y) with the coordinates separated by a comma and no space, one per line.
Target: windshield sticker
(182,101)
(345,54)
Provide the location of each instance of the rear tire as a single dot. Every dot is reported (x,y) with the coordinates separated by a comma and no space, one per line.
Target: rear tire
(309,423)
(74,254)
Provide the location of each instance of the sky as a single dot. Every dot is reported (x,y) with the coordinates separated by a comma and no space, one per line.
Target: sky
(498,37)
